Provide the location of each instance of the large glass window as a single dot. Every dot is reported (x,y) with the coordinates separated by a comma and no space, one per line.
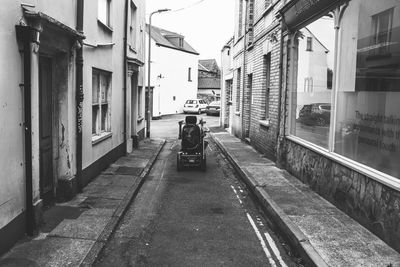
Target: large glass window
(368,109)
(311,89)
(363,87)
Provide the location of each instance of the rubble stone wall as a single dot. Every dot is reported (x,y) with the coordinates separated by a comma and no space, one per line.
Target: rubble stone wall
(373,204)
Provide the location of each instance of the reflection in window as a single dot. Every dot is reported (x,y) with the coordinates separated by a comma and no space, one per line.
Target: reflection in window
(368,110)
(311,99)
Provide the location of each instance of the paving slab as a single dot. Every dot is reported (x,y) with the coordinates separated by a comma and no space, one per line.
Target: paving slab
(84,227)
(76,231)
(49,252)
(324,235)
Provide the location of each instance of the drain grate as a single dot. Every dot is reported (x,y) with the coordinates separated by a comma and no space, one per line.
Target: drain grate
(128,171)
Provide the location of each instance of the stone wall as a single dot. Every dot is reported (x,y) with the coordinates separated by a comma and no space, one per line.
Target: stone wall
(373,204)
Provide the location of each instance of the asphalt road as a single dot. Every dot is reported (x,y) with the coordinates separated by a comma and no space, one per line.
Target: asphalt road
(192,218)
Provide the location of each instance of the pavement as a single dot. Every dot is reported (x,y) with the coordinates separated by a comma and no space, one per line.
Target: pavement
(75,232)
(322,234)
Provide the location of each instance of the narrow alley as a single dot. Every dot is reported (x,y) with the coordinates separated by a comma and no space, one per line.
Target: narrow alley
(192,218)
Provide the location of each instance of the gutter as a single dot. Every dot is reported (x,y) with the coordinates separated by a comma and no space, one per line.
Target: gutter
(79,94)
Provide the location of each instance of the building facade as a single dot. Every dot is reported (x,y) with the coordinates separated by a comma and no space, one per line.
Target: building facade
(209,80)
(329,75)
(63,94)
(226,83)
(173,78)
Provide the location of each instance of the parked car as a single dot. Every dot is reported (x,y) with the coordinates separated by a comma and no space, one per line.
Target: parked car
(213,108)
(194,106)
(316,114)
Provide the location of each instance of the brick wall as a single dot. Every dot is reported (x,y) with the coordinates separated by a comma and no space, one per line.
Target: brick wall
(263,138)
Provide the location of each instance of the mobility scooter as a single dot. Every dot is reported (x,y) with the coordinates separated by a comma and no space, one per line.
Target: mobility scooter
(193,145)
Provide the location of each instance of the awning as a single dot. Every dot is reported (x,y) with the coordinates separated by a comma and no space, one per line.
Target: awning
(42,17)
(298,13)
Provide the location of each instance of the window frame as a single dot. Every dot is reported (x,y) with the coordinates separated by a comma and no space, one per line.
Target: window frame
(133,25)
(101,129)
(189,74)
(238,89)
(267,91)
(108,16)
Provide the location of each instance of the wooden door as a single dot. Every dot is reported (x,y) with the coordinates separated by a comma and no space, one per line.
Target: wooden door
(45,130)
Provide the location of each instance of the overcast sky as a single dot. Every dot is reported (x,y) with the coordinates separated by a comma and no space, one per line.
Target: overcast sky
(207,25)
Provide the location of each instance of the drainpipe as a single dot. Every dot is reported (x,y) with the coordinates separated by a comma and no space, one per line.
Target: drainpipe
(244,69)
(125,70)
(79,95)
(280,134)
(26,35)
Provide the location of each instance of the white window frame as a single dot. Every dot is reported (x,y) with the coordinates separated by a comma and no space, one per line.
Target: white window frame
(104,18)
(133,25)
(101,129)
(329,153)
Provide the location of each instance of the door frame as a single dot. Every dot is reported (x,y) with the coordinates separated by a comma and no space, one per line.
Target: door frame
(49,195)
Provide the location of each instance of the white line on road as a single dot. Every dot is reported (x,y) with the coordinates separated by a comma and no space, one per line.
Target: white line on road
(162,175)
(264,246)
(274,248)
(234,190)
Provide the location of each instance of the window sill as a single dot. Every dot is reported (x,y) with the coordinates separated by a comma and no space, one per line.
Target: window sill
(237,113)
(376,175)
(101,137)
(140,119)
(132,49)
(265,123)
(104,26)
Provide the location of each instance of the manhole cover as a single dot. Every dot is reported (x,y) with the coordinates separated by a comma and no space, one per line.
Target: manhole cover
(128,171)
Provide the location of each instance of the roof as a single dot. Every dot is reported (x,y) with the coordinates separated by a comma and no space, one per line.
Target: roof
(209,83)
(208,65)
(160,37)
(228,44)
(315,37)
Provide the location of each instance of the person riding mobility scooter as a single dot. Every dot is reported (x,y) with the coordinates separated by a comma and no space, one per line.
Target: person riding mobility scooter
(193,146)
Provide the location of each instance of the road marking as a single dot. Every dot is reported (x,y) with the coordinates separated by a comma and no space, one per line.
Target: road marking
(234,190)
(162,175)
(263,245)
(275,249)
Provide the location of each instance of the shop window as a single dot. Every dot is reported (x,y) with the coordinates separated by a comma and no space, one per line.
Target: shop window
(104,12)
(367,127)
(238,80)
(311,98)
(101,101)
